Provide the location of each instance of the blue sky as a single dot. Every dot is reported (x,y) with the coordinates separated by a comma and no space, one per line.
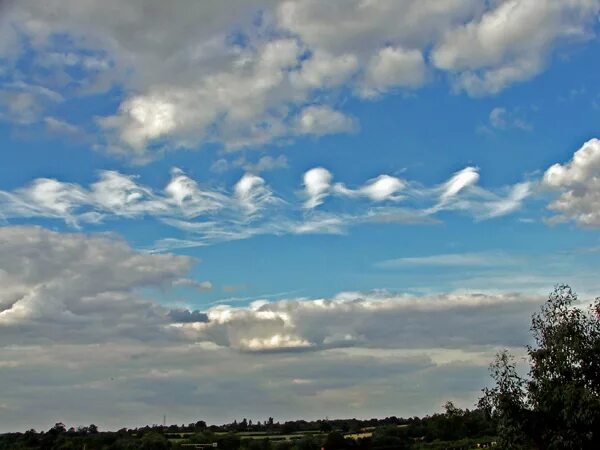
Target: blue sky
(417,152)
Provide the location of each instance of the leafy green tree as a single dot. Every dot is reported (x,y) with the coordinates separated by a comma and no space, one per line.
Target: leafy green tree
(558,407)
(335,441)
(257,444)
(229,441)
(564,385)
(307,443)
(391,437)
(154,441)
(284,445)
(506,402)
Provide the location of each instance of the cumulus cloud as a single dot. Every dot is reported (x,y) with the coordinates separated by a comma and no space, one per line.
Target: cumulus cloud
(320,120)
(511,41)
(324,70)
(208,73)
(393,67)
(66,287)
(128,354)
(578,186)
(378,320)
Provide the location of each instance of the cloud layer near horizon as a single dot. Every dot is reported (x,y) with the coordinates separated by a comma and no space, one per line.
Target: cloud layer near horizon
(77,308)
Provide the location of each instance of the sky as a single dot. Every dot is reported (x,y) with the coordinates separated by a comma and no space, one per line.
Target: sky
(291,209)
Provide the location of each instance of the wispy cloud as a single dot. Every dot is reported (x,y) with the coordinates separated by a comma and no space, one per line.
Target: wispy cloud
(480,259)
(251,207)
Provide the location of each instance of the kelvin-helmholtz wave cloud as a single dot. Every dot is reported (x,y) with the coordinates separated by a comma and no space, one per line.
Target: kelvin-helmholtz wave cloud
(290,209)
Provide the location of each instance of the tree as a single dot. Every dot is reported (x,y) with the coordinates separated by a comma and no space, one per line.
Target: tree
(154,441)
(564,385)
(334,441)
(558,407)
(506,401)
(306,443)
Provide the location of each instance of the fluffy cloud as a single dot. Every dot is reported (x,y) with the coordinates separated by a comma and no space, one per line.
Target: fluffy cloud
(380,320)
(68,287)
(578,185)
(320,120)
(74,326)
(209,73)
(73,288)
(393,67)
(511,41)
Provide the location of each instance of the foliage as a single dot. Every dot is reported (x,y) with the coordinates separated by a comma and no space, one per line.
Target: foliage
(506,402)
(558,407)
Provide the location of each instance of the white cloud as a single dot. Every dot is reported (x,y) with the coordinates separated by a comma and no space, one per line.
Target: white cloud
(200,286)
(264,164)
(383,187)
(364,28)
(114,194)
(511,41)
(449,260)
(462,179)
(208,215)
(317,184)
(393,67)
(578,186)
(502,119)
(496,207)
(66,287)
(24,103)
(193,200)
(252,193)
(323,70)
(320,120)
(59,126)
(208,73)
(365,318)
(73,321)
(461,193)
